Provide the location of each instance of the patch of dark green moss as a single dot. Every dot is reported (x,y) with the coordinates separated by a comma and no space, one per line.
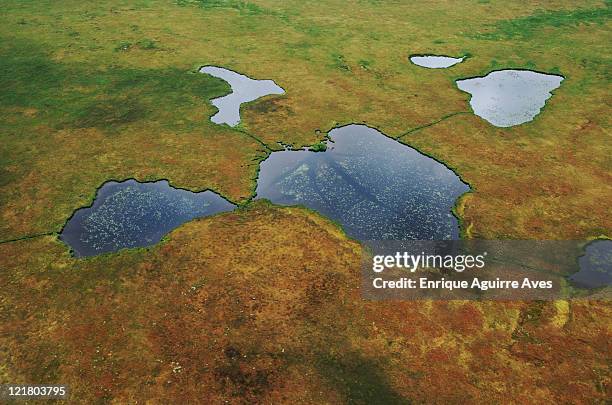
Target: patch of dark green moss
(264,106)
(529,318)
(338,62)
(123,46)
(70,95)
(110,113)
(270,105)
(318,147)
(365,64)
(526,27)
(244,7)
(146,44)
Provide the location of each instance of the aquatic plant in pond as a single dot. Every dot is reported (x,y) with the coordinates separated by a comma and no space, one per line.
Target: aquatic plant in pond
(244,89)
(509,97)
(132,214)
(595,266)
(435,61)
(376,187)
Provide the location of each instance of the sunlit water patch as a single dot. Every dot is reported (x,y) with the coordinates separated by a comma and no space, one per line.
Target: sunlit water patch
(132,214)
(435,61)
(509,97)
(244,89)
(595,266)
(376,187)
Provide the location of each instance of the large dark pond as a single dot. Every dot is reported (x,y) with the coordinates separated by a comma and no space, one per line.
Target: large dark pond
(374,186)
(132,214)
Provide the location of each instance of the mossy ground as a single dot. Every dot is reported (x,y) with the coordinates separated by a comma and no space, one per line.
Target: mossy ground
(262,305)
(92,91)
(106,90)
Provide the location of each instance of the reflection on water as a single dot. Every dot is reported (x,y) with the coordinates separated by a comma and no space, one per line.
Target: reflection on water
(132,214)
(376,187)
(595,266)
(244,89)
(509,97)
(434,61)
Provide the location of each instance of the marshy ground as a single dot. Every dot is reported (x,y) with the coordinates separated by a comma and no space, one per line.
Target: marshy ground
(262,304)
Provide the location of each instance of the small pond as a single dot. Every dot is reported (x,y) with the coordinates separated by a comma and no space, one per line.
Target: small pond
(132,214)
(435,61)
(595,266)
(244,89)
(374,186)
(509,97)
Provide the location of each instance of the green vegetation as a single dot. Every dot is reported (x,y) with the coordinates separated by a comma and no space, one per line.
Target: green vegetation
(524,28)
(178,316)
(339,62)
(86,123)
(92,91)
(147,44)
(244,7)
(318,147)
(81,96)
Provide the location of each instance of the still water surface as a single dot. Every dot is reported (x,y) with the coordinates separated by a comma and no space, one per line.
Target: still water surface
(595,266)
(509,97)
(244,89)
(132,214)
(374,186)
(435,61)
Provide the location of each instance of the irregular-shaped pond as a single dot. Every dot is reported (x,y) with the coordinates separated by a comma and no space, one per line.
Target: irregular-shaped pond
(435,61)
(509,97)
(132,214)
(244,89)
(595,266)
(376,187)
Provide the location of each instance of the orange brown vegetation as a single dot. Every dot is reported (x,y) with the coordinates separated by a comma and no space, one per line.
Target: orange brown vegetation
(262,305)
